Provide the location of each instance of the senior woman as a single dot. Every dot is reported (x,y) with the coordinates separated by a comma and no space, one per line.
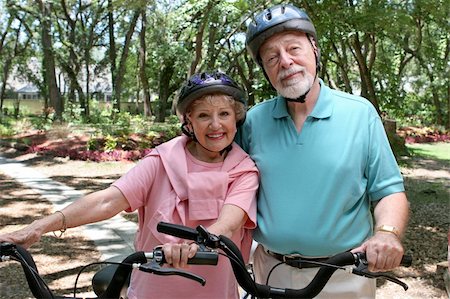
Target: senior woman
(199,178)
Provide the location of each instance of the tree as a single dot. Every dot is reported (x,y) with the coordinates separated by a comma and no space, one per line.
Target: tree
(48,62)
(394,53)
(430,47)
(118,67)
(142,65)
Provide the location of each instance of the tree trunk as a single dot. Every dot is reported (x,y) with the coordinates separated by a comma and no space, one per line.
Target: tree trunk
(447,126)
(118,74)
(164,87)
(342,63)
(142,64)
(366,78)
(198,47)
(48,63)
(87,59)
(89,40)
(112,52)
(437,104)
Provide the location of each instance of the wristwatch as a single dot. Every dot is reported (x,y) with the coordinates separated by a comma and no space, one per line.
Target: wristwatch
(388,229)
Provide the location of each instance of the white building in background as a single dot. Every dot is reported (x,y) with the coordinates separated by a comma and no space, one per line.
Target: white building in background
(99,83)
(28,92)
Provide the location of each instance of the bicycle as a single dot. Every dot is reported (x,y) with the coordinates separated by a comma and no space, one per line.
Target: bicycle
(107,283)
(342,261)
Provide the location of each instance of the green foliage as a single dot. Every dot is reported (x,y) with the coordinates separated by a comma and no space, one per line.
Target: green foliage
(74,113)
(11,126)
(94,144)
(404,45)
(110,143)
(165,131)
(6,130)
(172,120)
(41,122)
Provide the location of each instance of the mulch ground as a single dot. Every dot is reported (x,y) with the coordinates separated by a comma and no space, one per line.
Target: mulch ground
(57,265)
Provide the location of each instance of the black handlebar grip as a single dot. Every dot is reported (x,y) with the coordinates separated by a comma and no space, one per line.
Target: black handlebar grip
(406,259)
(200,257)
(204,258)
(177,230)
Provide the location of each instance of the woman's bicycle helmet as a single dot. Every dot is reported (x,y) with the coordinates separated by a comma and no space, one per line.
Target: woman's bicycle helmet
(208,83)
(273,20)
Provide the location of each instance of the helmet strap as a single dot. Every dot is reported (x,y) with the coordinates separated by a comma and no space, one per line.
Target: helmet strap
(188,132)
(312,41)
(300,99)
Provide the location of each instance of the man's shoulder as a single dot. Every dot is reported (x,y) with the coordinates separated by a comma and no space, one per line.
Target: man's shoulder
(263,106)
(349,98)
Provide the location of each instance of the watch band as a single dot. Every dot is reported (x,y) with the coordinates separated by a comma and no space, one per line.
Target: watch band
(388,229)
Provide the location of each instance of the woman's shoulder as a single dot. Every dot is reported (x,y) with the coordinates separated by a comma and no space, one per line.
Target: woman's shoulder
(238,158)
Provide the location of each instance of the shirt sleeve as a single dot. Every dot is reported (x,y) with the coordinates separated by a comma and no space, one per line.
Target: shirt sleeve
(242,193)
(136,184)
(384,176)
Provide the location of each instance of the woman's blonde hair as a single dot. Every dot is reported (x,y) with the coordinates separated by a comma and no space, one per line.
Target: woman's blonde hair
(239,107)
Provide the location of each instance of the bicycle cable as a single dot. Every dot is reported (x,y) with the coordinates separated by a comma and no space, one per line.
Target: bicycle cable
(34,274)
(309,262)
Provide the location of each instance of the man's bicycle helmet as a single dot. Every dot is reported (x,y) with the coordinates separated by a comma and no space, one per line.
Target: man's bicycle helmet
(208,83)
(273,20)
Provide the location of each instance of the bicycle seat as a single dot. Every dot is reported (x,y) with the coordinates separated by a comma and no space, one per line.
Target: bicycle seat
(102,280)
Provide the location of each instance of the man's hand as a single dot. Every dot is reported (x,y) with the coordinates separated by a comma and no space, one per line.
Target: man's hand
(384,251)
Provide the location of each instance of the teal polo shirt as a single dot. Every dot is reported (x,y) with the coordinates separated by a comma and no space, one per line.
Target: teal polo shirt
(316,186)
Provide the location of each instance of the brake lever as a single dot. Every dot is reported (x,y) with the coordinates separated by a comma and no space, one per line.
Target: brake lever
(155,268)
(363,270)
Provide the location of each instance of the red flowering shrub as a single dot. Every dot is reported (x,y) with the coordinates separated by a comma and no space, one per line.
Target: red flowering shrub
(423,135)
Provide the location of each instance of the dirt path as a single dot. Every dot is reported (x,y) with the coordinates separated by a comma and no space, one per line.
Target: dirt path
(426,238)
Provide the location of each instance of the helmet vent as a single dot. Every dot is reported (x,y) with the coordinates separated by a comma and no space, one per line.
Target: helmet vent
(269,15)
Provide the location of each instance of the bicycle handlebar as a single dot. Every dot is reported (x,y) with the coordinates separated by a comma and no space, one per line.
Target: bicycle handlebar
(138,260)
(327,268)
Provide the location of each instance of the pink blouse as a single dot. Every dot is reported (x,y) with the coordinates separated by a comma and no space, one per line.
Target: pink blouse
(170,185)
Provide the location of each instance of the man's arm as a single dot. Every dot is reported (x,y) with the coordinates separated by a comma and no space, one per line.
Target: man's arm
(384,250)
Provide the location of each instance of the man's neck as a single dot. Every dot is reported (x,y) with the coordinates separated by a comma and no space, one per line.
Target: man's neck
(300,111)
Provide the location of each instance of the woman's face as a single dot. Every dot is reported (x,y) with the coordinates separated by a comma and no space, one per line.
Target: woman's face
(213,121)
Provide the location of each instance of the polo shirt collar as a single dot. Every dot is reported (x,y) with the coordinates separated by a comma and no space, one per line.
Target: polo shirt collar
(322,109)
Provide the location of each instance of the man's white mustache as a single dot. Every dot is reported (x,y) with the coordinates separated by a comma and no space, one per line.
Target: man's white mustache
(286,73)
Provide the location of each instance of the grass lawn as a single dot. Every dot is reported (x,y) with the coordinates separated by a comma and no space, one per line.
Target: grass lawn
(438,150)
(426,172)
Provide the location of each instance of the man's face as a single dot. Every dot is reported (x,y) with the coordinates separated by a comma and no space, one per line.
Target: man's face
(289,61)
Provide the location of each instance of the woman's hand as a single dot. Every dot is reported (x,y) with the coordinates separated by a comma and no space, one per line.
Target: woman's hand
(24,237)
(177,255)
